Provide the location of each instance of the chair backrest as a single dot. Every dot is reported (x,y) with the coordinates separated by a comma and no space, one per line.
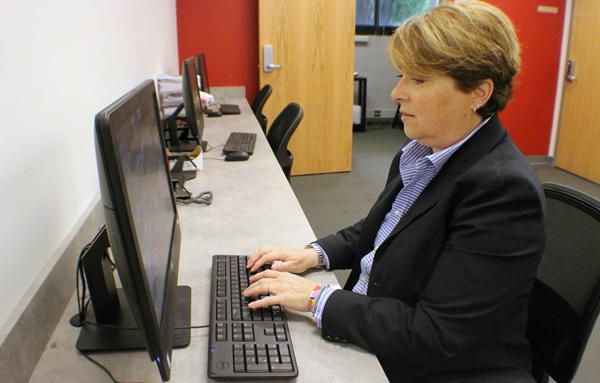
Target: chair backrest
(281,131)
(259,102)
(565,299)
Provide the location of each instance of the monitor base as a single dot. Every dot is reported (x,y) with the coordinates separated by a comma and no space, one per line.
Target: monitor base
(123,335)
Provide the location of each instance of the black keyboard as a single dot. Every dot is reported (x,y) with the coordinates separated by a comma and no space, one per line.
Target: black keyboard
(243,343)
(230,109)
(240,142)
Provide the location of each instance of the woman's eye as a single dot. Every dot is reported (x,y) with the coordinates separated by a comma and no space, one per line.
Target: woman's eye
(400,75)
(418,81)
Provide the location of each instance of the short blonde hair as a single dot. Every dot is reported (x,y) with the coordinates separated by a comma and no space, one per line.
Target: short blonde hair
(469,42)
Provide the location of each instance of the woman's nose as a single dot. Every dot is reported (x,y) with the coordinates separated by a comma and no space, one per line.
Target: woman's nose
(398,93)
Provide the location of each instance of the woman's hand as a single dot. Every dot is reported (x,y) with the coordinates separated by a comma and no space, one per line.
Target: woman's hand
(290,291)
(284,259)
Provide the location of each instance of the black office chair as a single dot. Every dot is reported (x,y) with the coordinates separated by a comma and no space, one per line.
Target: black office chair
(258,104)
(281,132)
(565,299)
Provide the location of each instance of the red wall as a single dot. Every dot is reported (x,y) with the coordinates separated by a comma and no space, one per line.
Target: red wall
(227,32)
(528,116)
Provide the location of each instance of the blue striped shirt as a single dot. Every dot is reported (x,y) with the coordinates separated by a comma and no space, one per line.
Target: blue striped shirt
(418,166)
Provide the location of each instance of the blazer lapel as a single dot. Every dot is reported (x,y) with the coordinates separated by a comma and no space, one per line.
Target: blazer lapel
(476,147)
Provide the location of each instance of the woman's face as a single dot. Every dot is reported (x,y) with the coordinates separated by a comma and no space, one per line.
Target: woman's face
(434,110)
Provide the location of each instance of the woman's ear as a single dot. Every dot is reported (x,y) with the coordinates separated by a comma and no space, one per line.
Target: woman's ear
(482,92)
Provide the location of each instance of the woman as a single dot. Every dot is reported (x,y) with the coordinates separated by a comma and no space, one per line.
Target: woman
(442,265)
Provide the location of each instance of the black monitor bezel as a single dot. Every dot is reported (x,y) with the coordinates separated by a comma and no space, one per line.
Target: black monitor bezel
(124,244)
(202,69)
(191,99)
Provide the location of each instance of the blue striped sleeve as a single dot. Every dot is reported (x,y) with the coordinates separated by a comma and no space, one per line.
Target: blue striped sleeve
(326,291)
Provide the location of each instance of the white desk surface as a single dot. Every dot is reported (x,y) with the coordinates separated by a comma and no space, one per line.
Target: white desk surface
(253,205)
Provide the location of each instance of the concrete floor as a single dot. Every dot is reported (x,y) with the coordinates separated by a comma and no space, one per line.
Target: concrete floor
(334,201)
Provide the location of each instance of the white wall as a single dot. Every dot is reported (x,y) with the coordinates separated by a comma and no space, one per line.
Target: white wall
(61,62)
(371,61)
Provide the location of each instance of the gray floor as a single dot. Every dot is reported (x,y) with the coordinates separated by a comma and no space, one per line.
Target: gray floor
(334,201)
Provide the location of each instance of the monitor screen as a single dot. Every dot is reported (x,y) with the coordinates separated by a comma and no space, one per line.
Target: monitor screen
(202,70)
(152,214)
(141,216)
(191,99)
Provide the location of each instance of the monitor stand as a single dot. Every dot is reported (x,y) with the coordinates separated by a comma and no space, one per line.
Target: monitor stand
(115,327)
(179,177)
(94,338)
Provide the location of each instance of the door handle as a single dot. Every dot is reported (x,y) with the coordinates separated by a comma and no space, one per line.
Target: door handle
(571,71)
(268,65)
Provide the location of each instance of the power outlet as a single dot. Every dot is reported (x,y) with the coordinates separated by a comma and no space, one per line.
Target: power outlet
(376,113)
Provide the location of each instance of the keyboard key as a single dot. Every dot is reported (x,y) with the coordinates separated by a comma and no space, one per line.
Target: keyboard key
(239,367)
(260,367)
(283,350)
(281,368)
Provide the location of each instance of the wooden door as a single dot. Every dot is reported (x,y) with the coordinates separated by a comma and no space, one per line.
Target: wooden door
(578,146)
(313,42)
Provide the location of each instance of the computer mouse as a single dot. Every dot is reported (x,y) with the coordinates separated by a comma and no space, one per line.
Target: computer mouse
(237,156)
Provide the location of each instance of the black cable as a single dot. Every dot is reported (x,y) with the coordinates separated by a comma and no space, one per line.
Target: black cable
(123,328)
(101,366)
(203,198)
(81,286)
(81,304)
(113,265)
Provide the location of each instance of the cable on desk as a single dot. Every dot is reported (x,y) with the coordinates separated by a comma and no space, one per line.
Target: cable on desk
(210,148)
(203,198)
(86,355)
(102,367)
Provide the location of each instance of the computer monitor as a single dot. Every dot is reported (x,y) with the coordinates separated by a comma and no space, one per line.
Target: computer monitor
(202,70)
(191,100)
(143,231)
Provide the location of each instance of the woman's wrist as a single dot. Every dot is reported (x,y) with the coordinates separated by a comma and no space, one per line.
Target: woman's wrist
(314,257)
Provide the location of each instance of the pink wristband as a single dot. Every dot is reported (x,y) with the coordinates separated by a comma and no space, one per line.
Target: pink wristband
(312,300)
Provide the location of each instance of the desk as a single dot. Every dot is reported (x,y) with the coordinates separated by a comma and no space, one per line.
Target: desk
(253,205)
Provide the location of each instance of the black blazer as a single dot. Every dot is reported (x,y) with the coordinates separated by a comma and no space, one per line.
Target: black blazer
(449,287)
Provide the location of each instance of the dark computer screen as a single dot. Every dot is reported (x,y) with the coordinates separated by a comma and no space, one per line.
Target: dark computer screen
(191,99)
(202,70)
(141,219)
(152,214)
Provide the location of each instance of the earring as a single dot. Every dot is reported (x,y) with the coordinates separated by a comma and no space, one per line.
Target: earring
(475,109)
